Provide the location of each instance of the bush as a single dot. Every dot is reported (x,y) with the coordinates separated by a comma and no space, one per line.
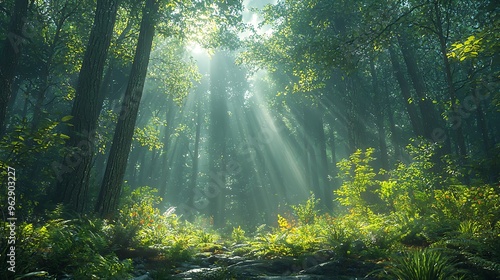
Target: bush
(423,265)
(69,247)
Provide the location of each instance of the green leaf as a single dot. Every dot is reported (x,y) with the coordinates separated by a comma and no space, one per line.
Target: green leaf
(63,136)
(66,118)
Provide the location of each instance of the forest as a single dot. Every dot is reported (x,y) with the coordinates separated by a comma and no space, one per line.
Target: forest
(250,139)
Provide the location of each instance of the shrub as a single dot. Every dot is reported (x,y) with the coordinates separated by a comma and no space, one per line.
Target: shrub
(423,264)
(69,247)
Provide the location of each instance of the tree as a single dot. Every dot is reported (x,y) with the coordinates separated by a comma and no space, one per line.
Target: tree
(72,189)
(11,52)
(218,136)
(115,169)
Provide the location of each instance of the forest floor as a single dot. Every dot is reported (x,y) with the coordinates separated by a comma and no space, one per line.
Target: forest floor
(225,264)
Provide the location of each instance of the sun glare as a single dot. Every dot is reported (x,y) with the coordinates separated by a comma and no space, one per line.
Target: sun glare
(196,48)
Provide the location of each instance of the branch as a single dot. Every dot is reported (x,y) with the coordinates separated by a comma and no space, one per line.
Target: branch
(397,21)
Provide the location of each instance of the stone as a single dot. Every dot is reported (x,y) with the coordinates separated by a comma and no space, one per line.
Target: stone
(143,277)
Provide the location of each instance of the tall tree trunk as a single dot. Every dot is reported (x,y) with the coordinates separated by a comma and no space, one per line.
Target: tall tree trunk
(352,139)
(477,106)
(415,120)
(132,176)
(332,144)
(461,147)
(106,90)
(308,147)
(143,170)
(109,195)
(430,117)
(152,179)
(218,126)
(9,58)
(316,148)
(322,161)
(44,85)
(167,149)
(379,118)
(72,188)
(194,171)
(394,133)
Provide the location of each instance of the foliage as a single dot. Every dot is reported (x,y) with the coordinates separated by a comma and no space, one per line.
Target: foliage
(149,137)
(459,223)
(141,224)
(76,247)
(238,235)
(358,177)
(467,203)
(306,213)
(470,48)
(423,265)
(295,238)
(422,207)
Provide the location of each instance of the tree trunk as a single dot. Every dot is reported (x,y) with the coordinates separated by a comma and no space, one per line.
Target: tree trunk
(415,121)
(316,148)
(132,176)
(9,58)
(461,147)
(394,133)
(427,111)
(167,150)
(379,118)
(194,172)
(218,126)
(352,139)
(109,195)
(73,184)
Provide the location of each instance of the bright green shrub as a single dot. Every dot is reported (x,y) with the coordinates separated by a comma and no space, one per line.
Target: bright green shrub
(73,247)
(461,202)
(423,265)
(307,212)
(238,235)
(358,177)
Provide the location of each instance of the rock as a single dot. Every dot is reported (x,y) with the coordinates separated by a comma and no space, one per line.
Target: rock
(344,267)
(143,277)
(298,277)
(316,258)
(188,266)
(197,271)
(326,268)
(225,260)
(324,254)
(205,273)
(278,267)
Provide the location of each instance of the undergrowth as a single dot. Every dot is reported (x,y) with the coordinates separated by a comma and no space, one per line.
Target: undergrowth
(416,221)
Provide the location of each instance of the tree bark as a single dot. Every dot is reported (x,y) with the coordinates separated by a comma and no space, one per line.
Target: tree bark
(196,151)
(218,126)
(73,186)
(111,187)
(415,120)
(379,118)
(170,114)
(394,133)
(424,102)
(9,58)
(461,147)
